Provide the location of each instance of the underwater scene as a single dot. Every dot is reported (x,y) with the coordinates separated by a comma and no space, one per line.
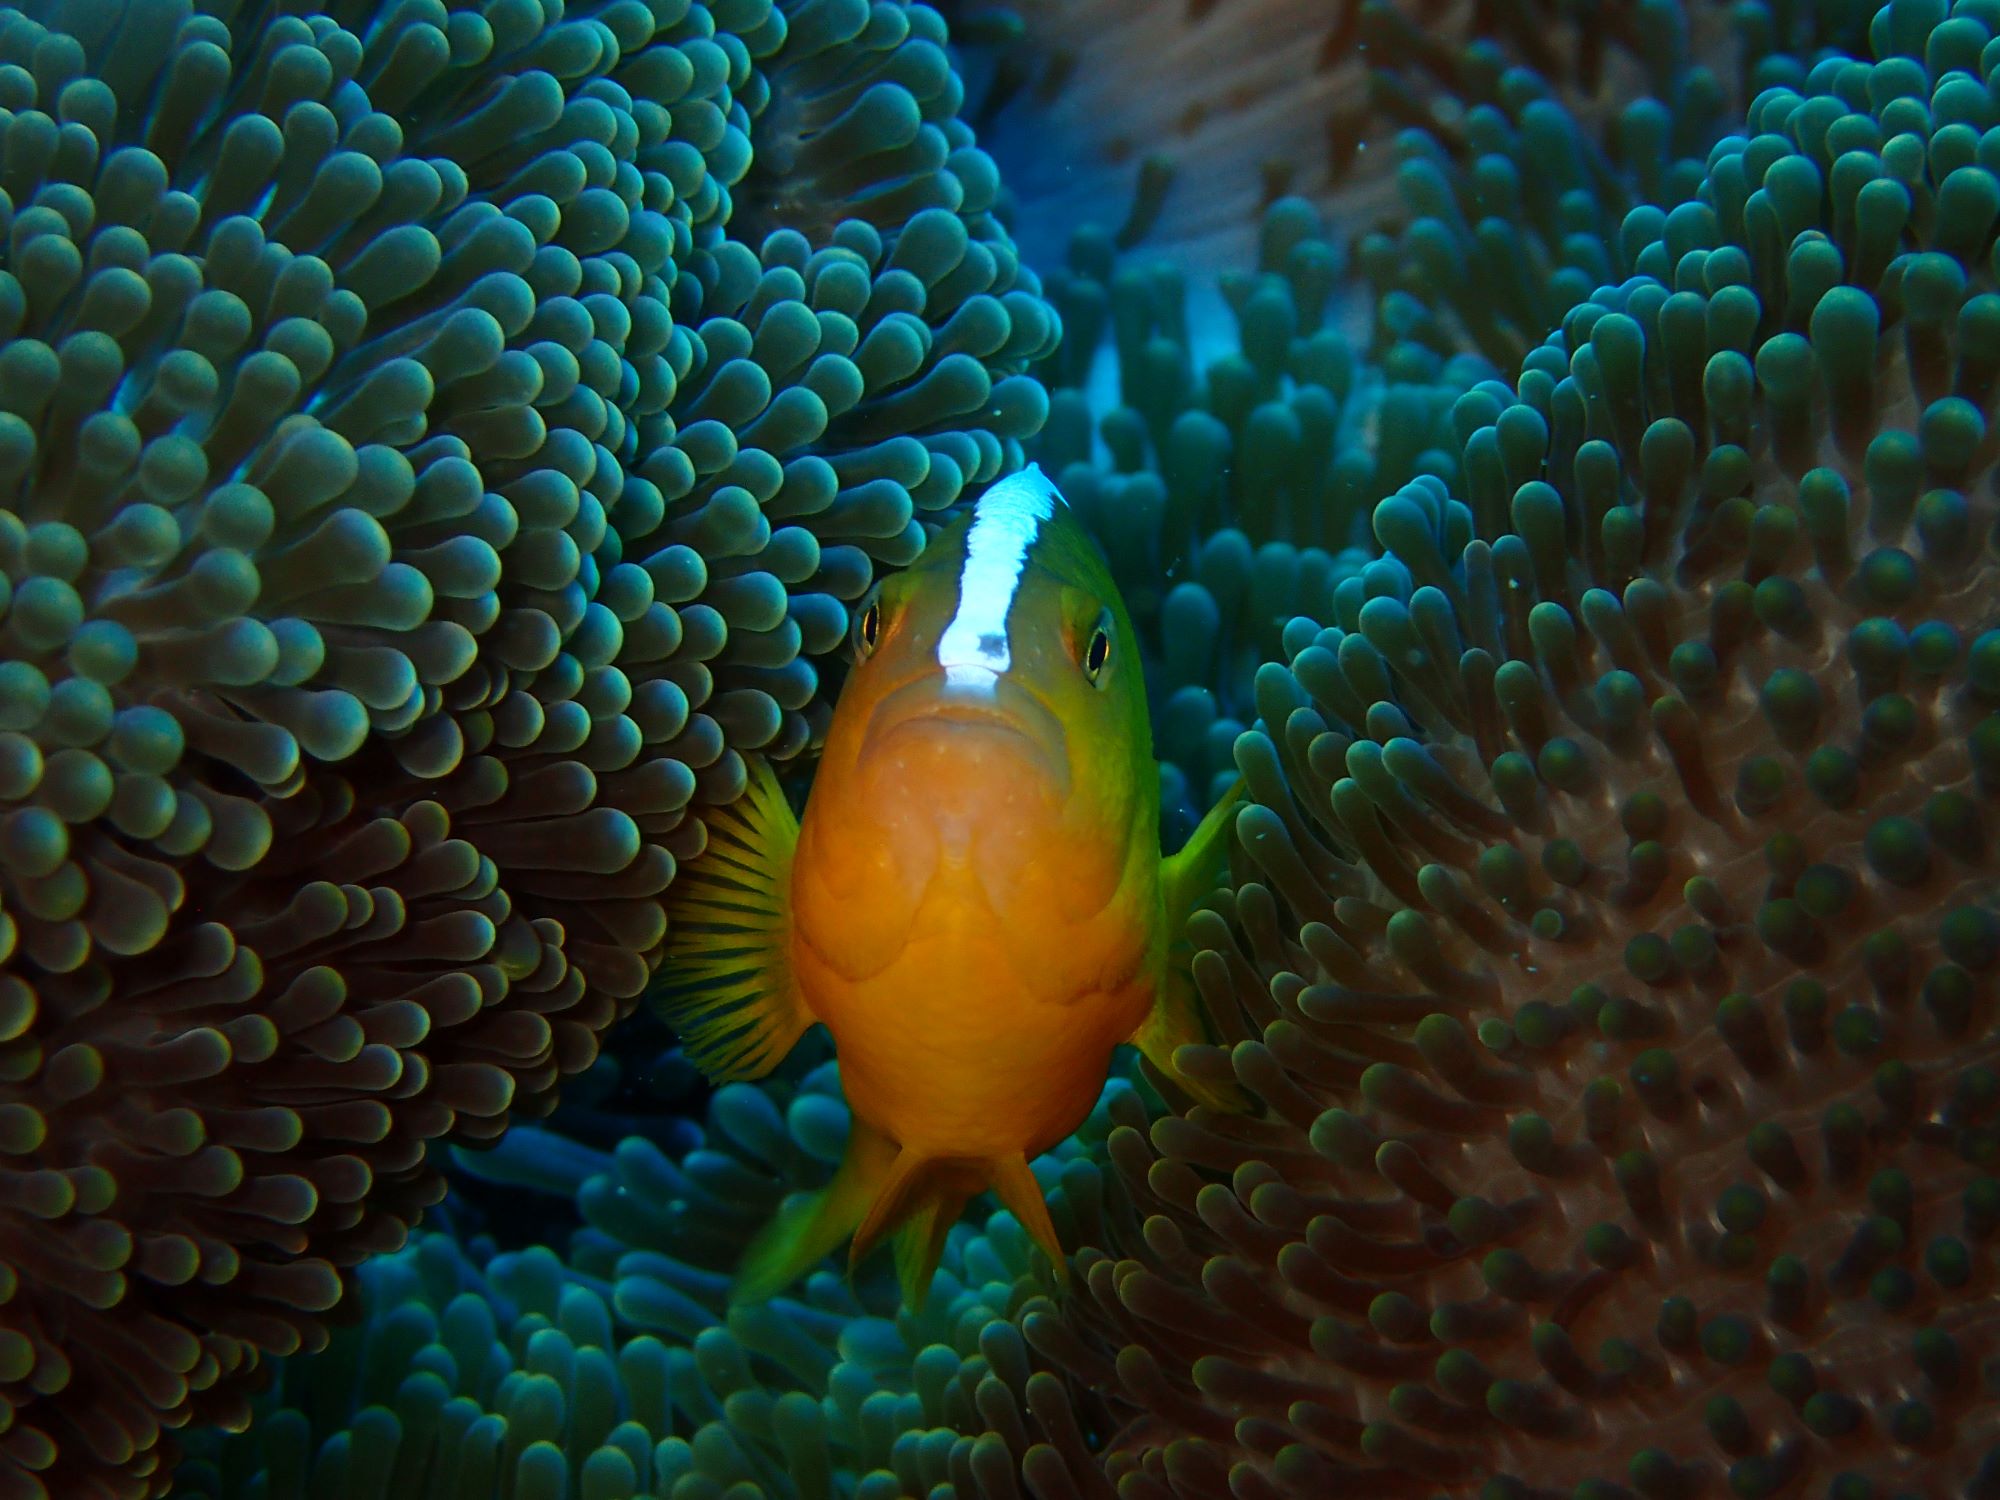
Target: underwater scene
(999,750)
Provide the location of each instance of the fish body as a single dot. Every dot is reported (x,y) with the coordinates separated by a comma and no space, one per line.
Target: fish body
(975,904)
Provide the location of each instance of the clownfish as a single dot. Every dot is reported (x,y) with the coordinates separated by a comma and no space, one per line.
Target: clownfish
(975,904)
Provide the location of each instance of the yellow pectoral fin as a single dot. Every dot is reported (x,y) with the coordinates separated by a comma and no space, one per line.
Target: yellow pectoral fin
(727,985)
(1177,1019)
(1176,1022)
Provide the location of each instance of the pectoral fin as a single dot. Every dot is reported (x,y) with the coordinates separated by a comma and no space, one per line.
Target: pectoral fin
(1177,1019)
(726,985)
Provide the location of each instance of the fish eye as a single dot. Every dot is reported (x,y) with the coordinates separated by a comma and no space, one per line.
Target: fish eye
(868,629)
(1097,655)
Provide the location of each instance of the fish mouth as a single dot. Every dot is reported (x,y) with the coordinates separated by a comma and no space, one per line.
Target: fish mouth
(975,699)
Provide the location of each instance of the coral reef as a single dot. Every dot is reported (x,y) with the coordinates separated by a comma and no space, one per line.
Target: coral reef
(417,497)
(1613,942)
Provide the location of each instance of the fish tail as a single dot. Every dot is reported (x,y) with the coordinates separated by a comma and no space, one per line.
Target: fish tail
(906,1190)
(1177,1019)
(726,984)
(883,1191)
(811,1226)
(919,1246)
(923,1198)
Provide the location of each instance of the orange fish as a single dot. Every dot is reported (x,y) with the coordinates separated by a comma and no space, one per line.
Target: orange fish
(975,906)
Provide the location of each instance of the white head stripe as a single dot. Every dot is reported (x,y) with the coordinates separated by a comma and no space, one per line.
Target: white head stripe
(1004,527)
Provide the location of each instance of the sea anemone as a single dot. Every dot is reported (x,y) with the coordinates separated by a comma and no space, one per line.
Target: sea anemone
(415,504)
(1609,949)
(1181,122)
(1229,487)
(1613,939)
(617,1372)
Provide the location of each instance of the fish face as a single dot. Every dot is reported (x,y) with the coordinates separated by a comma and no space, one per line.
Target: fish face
(965,788)
(1009,625)
(990,749)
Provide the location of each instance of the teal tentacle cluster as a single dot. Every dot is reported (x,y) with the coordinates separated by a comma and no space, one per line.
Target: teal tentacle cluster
(1185,122)
(1496,250)
(1612,938)
(1515,200)
(838,395)
(1516,209)
(619,1373)
(1483,157)
(415,496)
(1229,488)
(854,374)
(864,124)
